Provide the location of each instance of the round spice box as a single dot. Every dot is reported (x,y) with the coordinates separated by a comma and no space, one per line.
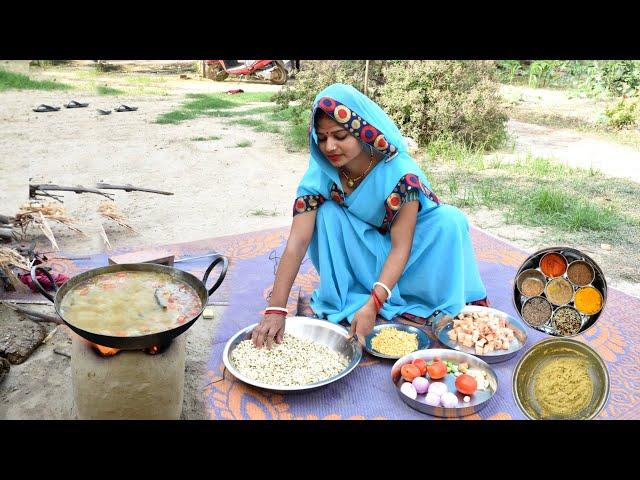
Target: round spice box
(560,291)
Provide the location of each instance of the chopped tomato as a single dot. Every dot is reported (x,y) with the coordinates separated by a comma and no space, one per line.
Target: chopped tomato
(421,364)
(181,319)
(466,384)
(409,372)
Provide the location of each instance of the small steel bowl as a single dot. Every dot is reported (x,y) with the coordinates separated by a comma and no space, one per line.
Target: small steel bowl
(321,331)
(578,262)
(555,326)
(423,339)
(530,273)
(601,301)
(554,254)
(527,369)
(571,255)
(560,280)
(546,322)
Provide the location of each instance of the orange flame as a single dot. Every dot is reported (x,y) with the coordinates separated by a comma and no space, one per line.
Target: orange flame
(153,349)
(106,351)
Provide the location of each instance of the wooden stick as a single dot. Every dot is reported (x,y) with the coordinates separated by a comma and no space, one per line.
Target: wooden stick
(42,188)
(42,317)
(7,220)
(131,188)
(366,76)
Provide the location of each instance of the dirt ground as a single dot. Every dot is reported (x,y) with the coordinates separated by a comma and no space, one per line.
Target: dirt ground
(219,189)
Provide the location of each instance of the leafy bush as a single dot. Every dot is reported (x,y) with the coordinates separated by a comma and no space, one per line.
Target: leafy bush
(456,99)
(509,69)
(618,77)
(316,75)
(541,72)
(427,99)
(602,78)
(623,114)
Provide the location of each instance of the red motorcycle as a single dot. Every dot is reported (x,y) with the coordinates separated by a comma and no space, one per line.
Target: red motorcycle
(275,71)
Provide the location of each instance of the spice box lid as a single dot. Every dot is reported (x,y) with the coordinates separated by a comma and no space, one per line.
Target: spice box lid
(571,255)
(476,402)
(444,325)
(423,339)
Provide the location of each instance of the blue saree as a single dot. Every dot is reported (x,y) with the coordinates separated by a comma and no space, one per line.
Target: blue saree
(352,239)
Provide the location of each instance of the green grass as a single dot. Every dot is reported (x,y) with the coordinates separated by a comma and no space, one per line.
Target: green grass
(298,137)
(259,118)
(103,90)
(244,143)
(144,80)
(264,213)
(212,105)
(630,137)
(257,110)
(176,116)
(297,134)
(258,125)
(204,139)
(18,81)
(537,191)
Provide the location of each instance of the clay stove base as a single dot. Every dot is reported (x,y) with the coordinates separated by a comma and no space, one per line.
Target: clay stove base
(129,385)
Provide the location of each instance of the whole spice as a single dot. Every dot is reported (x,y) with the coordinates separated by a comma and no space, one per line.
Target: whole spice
(580,273)
(532,287)
(588,300)
(559,291)
(553,265)
(536,311)
(567,321)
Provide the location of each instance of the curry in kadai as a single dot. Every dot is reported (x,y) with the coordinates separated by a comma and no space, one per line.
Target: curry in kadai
(130,303)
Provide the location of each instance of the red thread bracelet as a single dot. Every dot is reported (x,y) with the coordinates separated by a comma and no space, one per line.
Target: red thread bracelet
(275,312)
(376,301)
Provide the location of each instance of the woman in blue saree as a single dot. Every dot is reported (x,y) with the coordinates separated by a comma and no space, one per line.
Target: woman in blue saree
(380,239)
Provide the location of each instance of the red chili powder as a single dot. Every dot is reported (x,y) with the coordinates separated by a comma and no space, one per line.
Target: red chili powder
(553,265)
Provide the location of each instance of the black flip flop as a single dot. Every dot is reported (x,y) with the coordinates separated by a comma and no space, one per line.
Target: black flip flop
(46,108)
(103,112)
(74,104)
(125,108)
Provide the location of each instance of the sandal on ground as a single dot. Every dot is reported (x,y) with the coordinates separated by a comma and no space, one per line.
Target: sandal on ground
(45,108)
(74,104)
(103,112)
(125,108)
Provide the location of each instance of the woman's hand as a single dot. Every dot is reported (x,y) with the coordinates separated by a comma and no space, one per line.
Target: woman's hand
(271,327)
(363,321)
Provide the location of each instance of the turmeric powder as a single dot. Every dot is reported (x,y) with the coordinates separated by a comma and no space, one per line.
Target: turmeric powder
(588,300)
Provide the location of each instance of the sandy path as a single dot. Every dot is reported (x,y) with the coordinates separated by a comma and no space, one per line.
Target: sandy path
(216,185)
(216,188)
(576,149)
